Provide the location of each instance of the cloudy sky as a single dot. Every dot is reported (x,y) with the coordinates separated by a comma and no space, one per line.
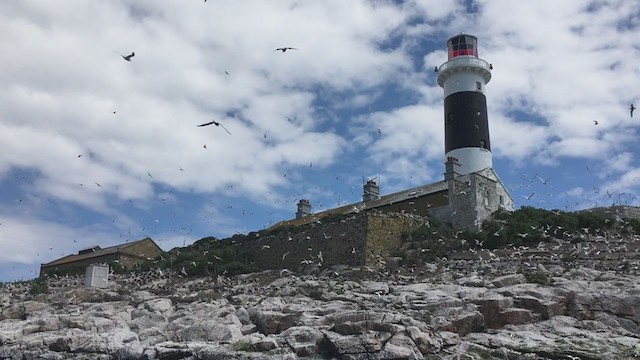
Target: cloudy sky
(97,150)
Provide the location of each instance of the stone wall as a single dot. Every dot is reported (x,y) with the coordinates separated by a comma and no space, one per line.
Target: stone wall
(79,265)
(359,239)
(384,233)
(338,241)
(129,261)
(145,249)
(474,197)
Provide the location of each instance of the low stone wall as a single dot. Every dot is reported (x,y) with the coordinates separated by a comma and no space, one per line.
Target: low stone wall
(384,233)
(359,239)
(339,242)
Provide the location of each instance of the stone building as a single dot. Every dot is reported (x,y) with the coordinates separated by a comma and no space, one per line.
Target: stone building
(471,190)
(127,255)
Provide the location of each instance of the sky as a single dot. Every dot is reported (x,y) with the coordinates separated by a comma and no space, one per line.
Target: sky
(98,150)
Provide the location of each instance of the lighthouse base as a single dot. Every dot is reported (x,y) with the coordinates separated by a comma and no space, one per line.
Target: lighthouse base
(470,159)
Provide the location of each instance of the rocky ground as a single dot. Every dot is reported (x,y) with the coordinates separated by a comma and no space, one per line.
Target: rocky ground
(445,310)
(564,299)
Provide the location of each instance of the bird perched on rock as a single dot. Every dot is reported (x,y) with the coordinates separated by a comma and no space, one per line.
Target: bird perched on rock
(127,57)
(216,124)
(283,49)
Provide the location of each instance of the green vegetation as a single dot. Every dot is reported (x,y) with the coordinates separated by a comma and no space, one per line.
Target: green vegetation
(538,278)
(207,256)
(242,346)
(39,286)
(431,241)
(527,226)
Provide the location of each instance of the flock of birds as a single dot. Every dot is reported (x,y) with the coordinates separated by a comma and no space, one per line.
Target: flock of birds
(130,57)
(213,122)
(631,109)
(129,236)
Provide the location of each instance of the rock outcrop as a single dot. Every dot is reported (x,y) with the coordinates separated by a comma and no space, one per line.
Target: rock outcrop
(435,312)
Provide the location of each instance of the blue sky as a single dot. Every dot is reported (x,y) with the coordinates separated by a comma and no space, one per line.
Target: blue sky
(75,114)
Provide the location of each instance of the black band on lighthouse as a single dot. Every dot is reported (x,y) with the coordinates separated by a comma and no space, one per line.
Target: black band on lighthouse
(465,121)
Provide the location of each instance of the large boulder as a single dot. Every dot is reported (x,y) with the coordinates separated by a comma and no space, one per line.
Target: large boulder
(302,339)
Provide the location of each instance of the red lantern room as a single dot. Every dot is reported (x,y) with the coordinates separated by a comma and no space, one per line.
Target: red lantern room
(462,45)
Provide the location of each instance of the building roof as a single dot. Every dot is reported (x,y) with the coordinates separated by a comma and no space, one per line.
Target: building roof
(389,199)
(96,251)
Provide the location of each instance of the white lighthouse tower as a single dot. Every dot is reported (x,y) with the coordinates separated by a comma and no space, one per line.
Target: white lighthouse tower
(464,78)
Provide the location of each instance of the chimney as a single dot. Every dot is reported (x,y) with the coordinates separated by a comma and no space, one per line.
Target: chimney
(304,208)
(371,191)
(451,168)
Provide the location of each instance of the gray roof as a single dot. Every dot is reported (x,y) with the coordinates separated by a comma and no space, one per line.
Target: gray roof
(83,255)
(389,199)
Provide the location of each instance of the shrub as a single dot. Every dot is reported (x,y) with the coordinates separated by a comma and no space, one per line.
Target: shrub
(39,286)
(538,278)
(242,346)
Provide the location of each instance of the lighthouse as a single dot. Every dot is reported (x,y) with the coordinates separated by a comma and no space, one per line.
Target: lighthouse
(466,126)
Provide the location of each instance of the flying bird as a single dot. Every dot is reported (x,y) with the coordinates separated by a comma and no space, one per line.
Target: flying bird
(595,122)
(543,180)
(283,49)
(127,57)
(216,124)
(631,108)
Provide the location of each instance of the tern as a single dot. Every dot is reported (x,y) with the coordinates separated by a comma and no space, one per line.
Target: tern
(216,124)
(127,57)
(283,49)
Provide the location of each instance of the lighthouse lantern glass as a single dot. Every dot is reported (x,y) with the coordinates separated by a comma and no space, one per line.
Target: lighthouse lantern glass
(462,45)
